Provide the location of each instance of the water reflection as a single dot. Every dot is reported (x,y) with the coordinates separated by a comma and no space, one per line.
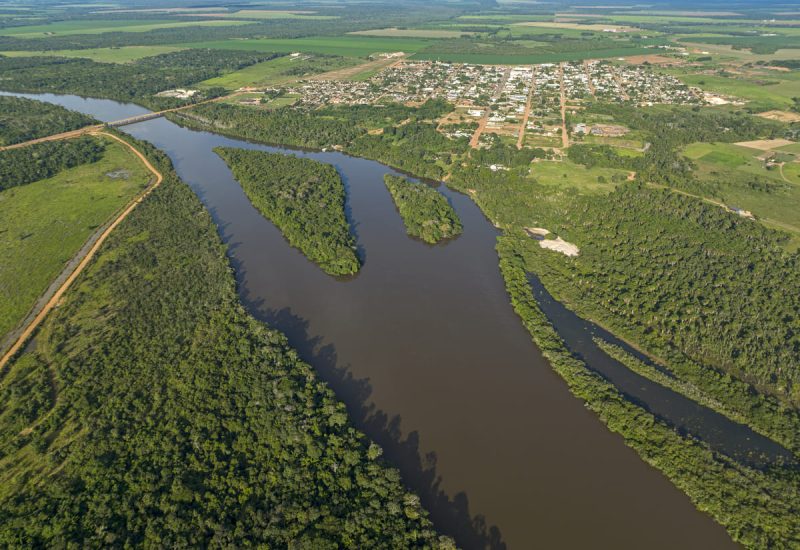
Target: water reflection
(721,433)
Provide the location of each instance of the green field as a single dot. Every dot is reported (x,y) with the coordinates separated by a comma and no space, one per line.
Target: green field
(566,174)
(63,28)
(101,55)
(46,222)
(775,96)
(345,46)
(736,167)
(280,70)
(720,153)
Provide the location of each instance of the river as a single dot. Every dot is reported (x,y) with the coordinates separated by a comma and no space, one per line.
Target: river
(430,359)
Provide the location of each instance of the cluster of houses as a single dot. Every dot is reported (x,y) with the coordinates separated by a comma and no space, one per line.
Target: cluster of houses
(509,105)
(503,89)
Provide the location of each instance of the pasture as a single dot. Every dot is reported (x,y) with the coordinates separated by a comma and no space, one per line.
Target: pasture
(63,28)
(45,223)
(280,70)
(345,46)
(125,54)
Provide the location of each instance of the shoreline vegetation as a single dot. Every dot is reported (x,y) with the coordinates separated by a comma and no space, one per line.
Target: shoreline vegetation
(764,518)
(426,213)
(155,426)
(304,198)
(23,119)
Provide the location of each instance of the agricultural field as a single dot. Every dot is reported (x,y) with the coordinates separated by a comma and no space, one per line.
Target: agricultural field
(776,94)
(281,70)
(345,46)
(63,28)
(124,54)
(45,223)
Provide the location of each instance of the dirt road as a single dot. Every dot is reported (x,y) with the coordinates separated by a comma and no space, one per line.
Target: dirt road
(54,137)
(35,318)
(524,125)
(564,134)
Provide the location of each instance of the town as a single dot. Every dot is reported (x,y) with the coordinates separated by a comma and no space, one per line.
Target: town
(526,104)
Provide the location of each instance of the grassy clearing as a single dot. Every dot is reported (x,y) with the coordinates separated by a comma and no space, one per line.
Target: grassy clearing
(280,70)
(725,154)
(345,46)
(793,148)
(775,96)
(567,175)
(45,223)
(101,55)
(63,28)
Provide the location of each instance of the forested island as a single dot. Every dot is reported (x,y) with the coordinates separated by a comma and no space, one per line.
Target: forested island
(125,427)
(24,119)
(426,213)
(304,198)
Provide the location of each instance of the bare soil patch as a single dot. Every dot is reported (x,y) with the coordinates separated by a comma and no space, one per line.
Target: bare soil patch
(782,116)
(765,144)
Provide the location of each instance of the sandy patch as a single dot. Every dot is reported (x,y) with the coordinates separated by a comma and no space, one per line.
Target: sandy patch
(765,144)
(579,26)
(783,116)
(653,60)
(560,245)
(557,245)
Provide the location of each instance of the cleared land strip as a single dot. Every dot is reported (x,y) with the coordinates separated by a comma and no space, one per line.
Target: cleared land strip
(79,262)
(349,72)
(54,137)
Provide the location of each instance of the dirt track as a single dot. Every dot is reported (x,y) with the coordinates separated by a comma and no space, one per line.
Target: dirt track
(28,329)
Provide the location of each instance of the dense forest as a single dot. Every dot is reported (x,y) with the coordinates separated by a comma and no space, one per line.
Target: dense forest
(155,412)
(714,285)
(759,508)
(415,146)
(283,126)
(304,198)
(46,159)
(137,81)
(426,213)
(26,119)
